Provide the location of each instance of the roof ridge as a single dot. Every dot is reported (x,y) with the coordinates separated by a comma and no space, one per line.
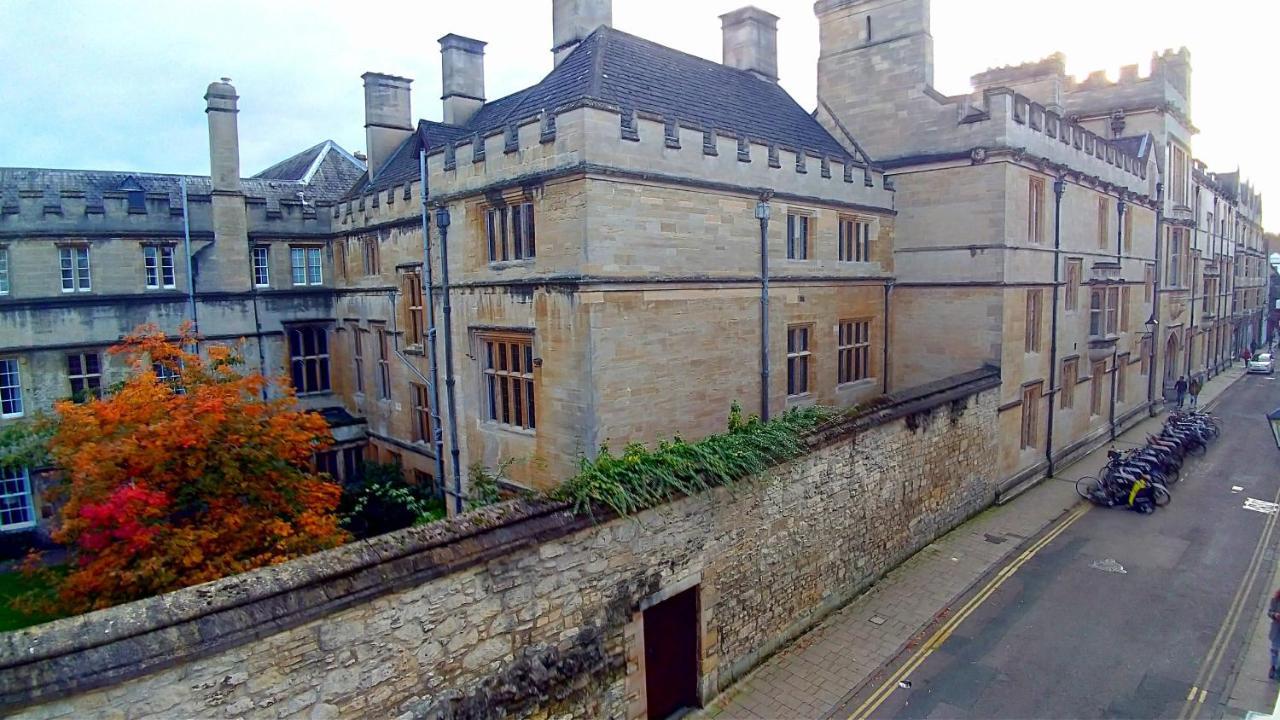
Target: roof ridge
(597,61)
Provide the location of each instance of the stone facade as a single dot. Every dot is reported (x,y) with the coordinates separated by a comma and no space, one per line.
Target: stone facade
(524,610)
(995,260)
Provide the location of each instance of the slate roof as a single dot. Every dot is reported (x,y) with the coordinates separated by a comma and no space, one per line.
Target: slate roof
(330,173)
(1138,146)
(619,69)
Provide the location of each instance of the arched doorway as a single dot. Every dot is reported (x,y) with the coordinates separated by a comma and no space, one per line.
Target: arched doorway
(1172,355)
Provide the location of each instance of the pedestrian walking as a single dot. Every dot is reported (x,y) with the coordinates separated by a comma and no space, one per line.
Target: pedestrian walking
(1273,612)
(1194,390)
(1245,355)
(1180,387)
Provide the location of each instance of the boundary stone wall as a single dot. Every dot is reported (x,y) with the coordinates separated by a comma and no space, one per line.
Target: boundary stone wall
(524,609)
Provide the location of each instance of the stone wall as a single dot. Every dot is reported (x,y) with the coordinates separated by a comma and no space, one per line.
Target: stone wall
(526,609)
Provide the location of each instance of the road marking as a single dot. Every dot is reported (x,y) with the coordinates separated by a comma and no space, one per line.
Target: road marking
(883,692)
(1261,506)
(1209,666)
(1191,693)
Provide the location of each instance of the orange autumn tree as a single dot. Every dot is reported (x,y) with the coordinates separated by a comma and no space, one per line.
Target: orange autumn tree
(176,481)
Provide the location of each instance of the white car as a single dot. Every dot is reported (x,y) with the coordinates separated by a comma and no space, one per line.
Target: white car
(1262,363)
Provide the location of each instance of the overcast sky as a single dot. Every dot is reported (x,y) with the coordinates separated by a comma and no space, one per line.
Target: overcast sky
(105,85)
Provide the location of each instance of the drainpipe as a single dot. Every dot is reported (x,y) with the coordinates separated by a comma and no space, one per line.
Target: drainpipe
(1155,368)
(1115,368)
(428,283)
(442,224)
(186,244)
(884,366)
(762,214)
(1059,187)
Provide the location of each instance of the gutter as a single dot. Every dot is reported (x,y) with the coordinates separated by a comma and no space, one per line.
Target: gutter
(1059,187)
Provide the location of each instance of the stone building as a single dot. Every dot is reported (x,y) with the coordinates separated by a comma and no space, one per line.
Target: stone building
(604,258)
(86,256)
(1024,239)
(604,251)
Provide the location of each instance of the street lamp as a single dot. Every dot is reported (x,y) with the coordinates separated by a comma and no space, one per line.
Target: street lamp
(442,217)
(1273,418)
(762,214)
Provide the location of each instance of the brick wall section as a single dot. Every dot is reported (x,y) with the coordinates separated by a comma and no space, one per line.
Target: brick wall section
(523,608)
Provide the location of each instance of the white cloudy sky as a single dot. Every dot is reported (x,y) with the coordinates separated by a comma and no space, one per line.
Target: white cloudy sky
(108,85)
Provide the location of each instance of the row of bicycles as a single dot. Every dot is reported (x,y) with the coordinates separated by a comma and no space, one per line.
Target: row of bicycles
(1139,478)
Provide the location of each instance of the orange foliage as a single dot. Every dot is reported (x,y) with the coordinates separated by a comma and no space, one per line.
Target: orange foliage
(173,483)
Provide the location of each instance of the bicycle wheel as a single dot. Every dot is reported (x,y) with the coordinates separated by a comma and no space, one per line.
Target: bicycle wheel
(1160,494)
(1087,487)
(1197,448)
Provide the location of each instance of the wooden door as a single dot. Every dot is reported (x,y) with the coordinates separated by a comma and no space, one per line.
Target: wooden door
(671,655)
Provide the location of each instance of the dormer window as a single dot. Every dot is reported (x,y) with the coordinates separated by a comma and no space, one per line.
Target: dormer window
(137,201)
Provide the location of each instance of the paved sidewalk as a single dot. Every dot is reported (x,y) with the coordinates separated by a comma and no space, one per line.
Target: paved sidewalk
(823,668)
(1251,691)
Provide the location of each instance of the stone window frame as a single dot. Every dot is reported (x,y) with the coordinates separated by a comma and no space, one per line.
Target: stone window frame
(382,361)
(800,356)
(1074,273)
(1104,222)
(799,219)
(1034,318)
(5,284)
(1035,210)
(1032,393)
(301,362)
(1098,371)
(853,351)
(1121,368)
(16,499)
(357,355)
(10,388)
(423,431)
(157,273)
(260,260)
(84,374)
(509,229)
(77,276)
(854,246)
(515,382)
(1070,378)
(1126,296)
(312,267)
(415,307)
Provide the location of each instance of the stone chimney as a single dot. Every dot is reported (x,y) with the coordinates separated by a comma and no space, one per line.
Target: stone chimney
(573,20)
(224,136)
(462,60)
(751,41)
(387,117)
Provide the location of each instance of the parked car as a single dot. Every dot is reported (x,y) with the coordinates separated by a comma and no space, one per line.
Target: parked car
(1262,363)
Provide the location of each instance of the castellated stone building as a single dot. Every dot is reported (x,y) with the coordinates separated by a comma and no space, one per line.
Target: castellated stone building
(1044,225)
(603,231)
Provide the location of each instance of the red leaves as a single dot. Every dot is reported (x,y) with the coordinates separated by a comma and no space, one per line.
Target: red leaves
(170,483)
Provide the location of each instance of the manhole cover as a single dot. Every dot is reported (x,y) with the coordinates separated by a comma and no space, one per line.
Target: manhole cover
(995,539)
(877,620)
(1108,565)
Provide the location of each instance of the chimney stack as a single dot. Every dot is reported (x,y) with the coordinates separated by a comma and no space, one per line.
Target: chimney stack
(462,61)
(387,117)
(751,41)
(573,20)
(224,137)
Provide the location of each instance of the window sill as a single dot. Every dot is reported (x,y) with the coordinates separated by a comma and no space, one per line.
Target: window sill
(859,384)
(802,400)
(512,429)
(509,264)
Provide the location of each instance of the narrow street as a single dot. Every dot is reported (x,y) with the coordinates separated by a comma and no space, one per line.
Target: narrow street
(1116,614)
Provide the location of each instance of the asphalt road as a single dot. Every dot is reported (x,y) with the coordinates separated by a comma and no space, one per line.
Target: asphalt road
(1070,635)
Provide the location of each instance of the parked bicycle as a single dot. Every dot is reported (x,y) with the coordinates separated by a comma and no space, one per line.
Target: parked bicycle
(1140,478)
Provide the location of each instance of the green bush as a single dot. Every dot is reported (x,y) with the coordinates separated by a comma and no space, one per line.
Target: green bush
(640,477)
(382,501)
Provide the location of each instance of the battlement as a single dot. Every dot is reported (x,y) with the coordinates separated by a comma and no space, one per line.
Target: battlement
(35,200)
(595,137)
(1054,65)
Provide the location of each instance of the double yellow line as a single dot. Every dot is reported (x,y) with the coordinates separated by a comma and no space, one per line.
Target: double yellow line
(883,692)
(1209,667)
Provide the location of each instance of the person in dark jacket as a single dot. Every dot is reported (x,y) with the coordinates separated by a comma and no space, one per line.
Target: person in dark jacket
(1273,612)
(1180,387)
(1194,391)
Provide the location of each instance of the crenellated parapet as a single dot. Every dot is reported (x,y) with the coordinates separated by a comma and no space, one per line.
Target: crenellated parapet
(37,201)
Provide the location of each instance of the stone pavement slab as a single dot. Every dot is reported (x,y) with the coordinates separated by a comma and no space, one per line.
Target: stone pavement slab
(816,673)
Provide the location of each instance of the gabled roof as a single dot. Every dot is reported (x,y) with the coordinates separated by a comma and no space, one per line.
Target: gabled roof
(618,69)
